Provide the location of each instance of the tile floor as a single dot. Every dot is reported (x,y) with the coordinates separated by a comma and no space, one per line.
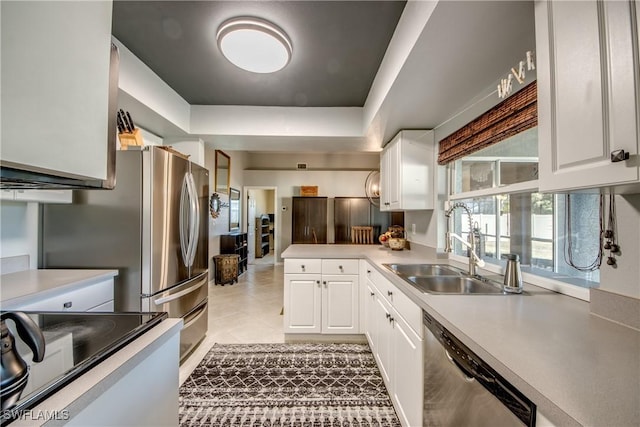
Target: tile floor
(245,312)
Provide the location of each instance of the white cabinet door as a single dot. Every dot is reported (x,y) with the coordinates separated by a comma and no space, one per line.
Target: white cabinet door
(302,303)
(384,351)
(340,304)
(390,173)
(407,373)
(55,86)
(370,326)
(587,93)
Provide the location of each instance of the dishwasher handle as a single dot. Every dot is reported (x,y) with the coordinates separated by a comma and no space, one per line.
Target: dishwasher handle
(464,362)
(468,377)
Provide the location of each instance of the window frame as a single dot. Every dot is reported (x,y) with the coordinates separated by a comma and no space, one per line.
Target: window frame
(565,288)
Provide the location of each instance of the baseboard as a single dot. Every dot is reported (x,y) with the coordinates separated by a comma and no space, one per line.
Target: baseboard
(326,338)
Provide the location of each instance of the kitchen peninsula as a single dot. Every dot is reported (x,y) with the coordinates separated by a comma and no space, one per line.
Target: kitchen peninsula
(94,359)
(579,369)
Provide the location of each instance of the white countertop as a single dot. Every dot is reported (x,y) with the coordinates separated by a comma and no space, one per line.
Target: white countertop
(578,368)
(23,285)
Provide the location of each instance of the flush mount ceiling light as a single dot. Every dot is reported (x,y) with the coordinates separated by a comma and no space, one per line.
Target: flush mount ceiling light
(254,44)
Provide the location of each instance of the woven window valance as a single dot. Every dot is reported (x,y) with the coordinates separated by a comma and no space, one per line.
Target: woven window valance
(513,115)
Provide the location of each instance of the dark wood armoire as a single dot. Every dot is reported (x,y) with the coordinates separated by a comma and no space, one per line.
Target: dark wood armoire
(309,220)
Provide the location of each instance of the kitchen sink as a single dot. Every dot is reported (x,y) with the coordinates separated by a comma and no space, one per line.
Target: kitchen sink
(444,279)
(419,270)
(454,285)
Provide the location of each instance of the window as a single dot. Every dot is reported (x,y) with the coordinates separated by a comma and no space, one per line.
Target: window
(509,216)
(533,225)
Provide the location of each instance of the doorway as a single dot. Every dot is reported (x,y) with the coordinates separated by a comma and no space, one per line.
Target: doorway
(261,224)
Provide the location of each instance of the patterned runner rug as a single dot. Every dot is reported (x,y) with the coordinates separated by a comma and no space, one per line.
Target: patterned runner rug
(272,385)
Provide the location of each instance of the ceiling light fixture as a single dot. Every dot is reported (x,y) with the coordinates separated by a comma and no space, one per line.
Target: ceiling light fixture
(254,44)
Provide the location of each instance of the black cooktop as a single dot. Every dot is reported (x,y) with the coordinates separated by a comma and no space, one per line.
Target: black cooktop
(74,343)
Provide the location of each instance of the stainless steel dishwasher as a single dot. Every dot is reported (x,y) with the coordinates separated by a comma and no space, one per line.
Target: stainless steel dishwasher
(462,390)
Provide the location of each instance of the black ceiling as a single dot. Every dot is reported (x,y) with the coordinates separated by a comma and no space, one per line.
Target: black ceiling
(337,49)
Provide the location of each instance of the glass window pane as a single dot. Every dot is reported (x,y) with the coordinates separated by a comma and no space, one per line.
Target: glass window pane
(526,224)
(510,161)
(515,172)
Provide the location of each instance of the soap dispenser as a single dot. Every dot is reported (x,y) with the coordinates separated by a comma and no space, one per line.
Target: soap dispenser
(512,274)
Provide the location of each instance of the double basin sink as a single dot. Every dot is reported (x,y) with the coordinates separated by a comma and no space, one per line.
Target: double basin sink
(445,279)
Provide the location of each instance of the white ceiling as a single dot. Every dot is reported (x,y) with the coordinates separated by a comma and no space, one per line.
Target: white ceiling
(442,56)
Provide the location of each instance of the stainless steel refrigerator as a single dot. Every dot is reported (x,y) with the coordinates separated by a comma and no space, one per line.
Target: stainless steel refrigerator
(152,228)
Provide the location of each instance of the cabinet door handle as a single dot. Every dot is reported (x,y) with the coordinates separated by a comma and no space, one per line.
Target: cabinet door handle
(340,267)
(619,156)
(67,304)
(387,315)
(389,293)
(368,271)
(324,282)
(391,319)
(318,282)
(302,267)
(373,293)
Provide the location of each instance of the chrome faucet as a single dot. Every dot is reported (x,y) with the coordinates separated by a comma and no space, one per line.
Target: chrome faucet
(474,260)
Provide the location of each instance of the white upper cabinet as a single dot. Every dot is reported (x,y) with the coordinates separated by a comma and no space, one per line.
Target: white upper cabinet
(407,172)
(588,85)
(55,87)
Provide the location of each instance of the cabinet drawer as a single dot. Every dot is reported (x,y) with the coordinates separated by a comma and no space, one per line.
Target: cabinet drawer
(339,266)
(409,311)
(309,265)
(375,277)
(81,299)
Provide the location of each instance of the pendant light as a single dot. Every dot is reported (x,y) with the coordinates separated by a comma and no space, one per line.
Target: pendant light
(254,44)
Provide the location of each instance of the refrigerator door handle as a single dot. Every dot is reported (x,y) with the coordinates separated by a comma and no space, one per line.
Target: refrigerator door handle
(184,221)
(178,295)
(194,220)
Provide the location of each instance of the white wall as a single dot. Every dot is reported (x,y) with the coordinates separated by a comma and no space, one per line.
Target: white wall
(19,231)
(624,279)
(341,161)
(330,184)
(220,225)
(429,224)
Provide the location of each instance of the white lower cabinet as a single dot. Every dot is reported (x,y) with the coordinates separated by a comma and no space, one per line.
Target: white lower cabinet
(321,296)
(396,342)
(142,391)
(40,196)
(407,372)
(92,297)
